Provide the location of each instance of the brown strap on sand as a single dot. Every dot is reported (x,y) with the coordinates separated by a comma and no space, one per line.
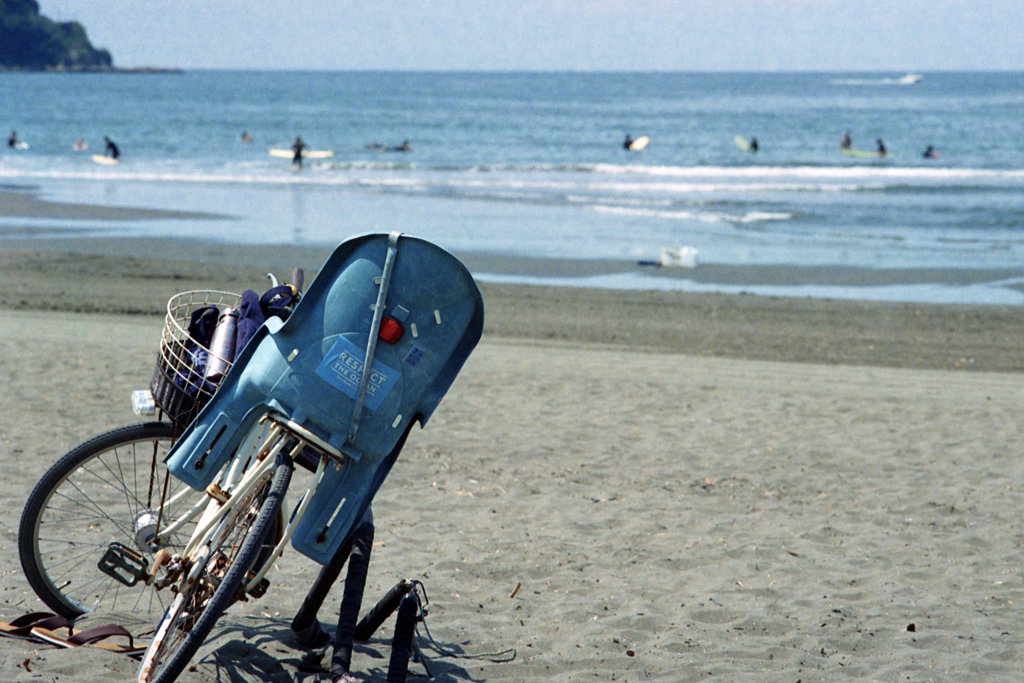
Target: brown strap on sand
(98,633)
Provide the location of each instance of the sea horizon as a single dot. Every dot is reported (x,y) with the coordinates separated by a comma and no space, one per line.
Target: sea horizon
(726,72)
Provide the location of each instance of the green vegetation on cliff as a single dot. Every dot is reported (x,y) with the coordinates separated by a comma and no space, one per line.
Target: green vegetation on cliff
(31,42)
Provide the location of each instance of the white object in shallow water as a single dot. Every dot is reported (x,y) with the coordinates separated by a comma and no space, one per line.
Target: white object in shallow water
(678,257)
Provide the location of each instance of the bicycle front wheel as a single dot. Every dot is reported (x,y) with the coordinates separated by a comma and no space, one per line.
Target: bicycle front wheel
(227,561)
(102,500)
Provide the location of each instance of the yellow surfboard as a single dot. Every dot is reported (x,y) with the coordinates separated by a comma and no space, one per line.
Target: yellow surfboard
(639,143)
(306,153)
(865,155)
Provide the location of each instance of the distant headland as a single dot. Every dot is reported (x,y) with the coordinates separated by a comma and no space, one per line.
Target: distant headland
(31,42)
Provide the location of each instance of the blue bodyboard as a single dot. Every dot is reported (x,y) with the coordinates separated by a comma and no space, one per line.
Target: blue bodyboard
(309,367)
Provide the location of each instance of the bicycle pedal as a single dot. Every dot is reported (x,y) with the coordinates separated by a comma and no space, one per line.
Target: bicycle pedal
(123,564)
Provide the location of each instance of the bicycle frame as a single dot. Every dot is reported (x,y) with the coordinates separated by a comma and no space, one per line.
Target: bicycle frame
(239,479)
(203,501)
(281,431)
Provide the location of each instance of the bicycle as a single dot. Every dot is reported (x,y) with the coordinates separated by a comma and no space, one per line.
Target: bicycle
(368,351)
(100,500)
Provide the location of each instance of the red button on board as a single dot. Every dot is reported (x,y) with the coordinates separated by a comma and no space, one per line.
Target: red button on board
(390,330)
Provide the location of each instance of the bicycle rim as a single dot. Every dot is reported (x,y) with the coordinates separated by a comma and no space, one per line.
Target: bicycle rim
(103,492)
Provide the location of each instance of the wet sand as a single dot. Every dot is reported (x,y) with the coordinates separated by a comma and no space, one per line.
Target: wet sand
(137,277)
(683,487)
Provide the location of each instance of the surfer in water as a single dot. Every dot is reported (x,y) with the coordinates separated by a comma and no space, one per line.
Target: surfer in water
(111,151)
(930,153)
(628,142)
(297,148)
(12,141)
(753,144)
(881,147)
(846,142)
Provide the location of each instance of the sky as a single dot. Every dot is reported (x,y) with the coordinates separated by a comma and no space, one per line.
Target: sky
(530,35)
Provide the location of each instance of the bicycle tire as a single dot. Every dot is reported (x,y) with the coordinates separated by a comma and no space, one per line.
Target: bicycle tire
(96,494)
(193,615)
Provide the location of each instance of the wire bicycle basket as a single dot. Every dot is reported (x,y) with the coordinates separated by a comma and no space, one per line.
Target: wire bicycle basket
(180,386)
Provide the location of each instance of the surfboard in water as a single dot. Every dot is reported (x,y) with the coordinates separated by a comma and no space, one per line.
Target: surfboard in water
(639,143)
(865,155)
(742,143)
(306,153)
(105,160)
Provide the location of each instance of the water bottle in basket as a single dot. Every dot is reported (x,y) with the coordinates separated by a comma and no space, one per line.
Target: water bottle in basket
(222,346)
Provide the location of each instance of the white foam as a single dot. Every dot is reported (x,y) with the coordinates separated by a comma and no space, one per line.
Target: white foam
(621,178)
(840,172)
(702,216)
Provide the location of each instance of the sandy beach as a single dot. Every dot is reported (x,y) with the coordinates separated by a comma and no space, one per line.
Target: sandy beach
(682,487)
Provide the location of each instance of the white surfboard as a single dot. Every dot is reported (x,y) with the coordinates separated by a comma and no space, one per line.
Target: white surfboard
(639,143)
(306,153)
(742,143)
(105,160)
(21,144)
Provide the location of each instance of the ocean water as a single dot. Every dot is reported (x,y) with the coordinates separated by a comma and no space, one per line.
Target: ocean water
(532,164)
